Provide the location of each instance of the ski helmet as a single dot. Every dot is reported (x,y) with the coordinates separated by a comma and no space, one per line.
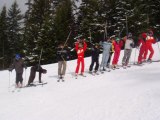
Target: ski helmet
(17,56)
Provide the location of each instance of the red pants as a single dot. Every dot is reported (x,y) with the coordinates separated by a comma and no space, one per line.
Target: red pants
(80,61)
(141,53)
(149,47)
(116,57)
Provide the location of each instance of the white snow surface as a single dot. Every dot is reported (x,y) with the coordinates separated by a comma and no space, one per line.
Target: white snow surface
(124,94)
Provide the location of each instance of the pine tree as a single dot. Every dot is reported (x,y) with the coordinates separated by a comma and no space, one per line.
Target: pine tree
(64,20)
(90,19)
(39,30)
(15,34)
(3,39)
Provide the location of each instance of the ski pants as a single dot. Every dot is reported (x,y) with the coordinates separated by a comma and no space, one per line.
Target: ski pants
(109,60)
(126,57)
(141,53)
(149,48)
(33,75)
(92,64)
(62,67)
(105,57)
(80,61)
(19,78)
(116,57)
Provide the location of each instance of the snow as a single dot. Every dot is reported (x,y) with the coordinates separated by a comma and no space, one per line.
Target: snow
(124,94)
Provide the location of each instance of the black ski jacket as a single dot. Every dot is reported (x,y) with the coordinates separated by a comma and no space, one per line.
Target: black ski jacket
(62,54)
(95,53)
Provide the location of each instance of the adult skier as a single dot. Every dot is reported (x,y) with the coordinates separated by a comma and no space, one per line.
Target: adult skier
(106,45)
(129,44)
(149,41)
(62,57)
(94,58)
(18,64)
(34,69)
(80,47)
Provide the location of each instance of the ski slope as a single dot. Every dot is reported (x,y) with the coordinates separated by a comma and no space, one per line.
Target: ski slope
(124,94)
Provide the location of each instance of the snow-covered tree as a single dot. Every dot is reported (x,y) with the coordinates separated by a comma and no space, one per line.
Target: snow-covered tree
(14,22)
(3,39)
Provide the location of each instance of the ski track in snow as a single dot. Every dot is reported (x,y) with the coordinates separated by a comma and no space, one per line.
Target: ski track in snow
(124,94)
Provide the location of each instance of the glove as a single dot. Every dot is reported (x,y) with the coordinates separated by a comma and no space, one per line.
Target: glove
(25,67)
(72,50)
(132,45)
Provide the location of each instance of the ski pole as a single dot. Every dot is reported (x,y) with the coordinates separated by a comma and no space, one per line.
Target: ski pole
(25,77)
(158,47)
(67,38)
(105,30)
(135,56)
(90,36)
(9,82)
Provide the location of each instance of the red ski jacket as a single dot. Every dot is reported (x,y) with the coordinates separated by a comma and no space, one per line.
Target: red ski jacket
(80,51)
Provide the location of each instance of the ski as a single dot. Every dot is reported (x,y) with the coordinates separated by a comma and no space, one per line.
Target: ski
(60,79)
(16,90)
(35,85)
(76,76)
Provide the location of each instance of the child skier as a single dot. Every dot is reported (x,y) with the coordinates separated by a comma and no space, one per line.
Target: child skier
(18,64)
(117,49)
(35,69)
(106,45)
(80,48)
(62,57)
(129,44)
(149,41)
(142,44)
(94,58)
(111,51)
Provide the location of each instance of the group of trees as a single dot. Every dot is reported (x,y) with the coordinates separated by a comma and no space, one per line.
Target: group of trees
(48,22)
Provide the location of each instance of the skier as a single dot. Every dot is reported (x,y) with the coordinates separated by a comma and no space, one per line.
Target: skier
(106,45)
(111,51)
(62,57)
(129,44)
(18,64)
(142,44)
(94,58)
(80,47)
(34,69)
(117,43)
(149,41)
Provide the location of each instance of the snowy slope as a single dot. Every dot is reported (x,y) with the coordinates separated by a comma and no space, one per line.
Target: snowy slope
(131,94)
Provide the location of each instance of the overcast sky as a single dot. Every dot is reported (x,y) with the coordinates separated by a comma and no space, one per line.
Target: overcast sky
(21,4)
(8,4)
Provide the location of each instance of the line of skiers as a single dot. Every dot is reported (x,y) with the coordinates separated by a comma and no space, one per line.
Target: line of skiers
(108,47)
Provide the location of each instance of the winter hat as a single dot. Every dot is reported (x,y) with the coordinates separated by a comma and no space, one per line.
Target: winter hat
(144,35)
(117,39)
(150,32)
(17,56)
